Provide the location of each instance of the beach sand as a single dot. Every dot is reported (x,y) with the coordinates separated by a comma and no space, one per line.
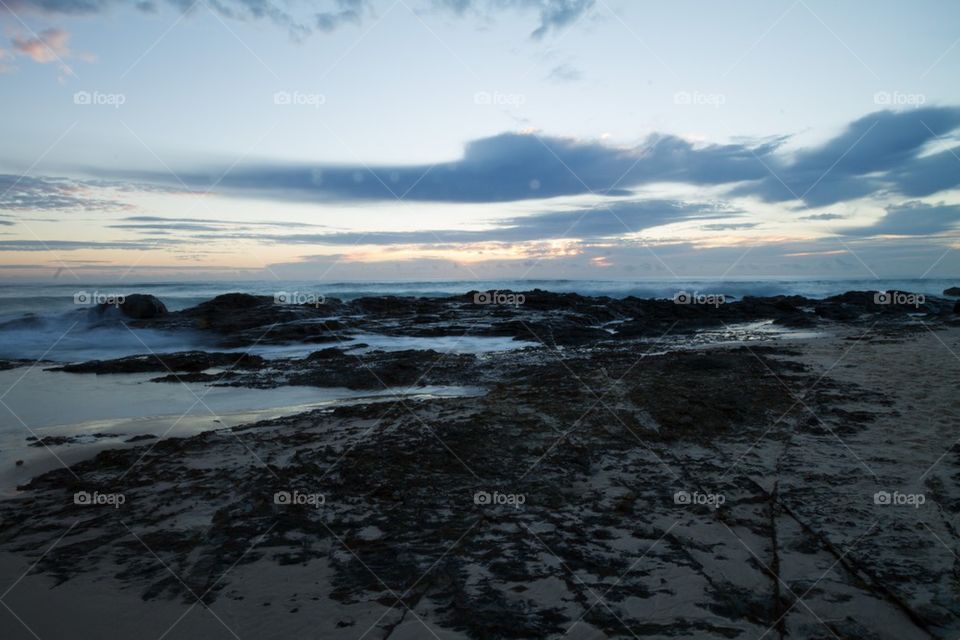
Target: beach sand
(548,507)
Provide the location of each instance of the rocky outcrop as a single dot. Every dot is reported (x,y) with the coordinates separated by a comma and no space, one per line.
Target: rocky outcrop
(240,320)
(142,307)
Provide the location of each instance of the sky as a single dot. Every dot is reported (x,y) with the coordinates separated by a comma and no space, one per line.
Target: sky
(478,139)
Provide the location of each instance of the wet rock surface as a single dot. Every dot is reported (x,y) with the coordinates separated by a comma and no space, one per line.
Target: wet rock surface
(238,320)
(241,322)
(141,306)
(6,365)
(49,441)
(182,361)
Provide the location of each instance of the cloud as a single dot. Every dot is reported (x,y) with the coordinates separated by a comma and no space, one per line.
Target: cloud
(51,193)
(70,245)
(60,6)
(881,153)
(554,14)
(823,216)
(168,226)
(48,46)
(614,220)
(913,219)
(272,223)
(158,225)
(876,152)
(340,11)
(24,193)
(348,11)
(873,156)
(660,269)
(564,73)
(929,174)
(729,226)
(504,168)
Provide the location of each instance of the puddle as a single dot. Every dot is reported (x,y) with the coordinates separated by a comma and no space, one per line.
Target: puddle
(50,403)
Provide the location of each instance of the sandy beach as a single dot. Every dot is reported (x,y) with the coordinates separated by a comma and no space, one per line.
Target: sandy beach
(762,485)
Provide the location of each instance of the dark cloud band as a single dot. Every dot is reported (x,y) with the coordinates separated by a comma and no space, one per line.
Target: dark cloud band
(881,152)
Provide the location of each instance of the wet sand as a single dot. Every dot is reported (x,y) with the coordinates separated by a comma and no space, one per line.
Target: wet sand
(99,412)
(720,492)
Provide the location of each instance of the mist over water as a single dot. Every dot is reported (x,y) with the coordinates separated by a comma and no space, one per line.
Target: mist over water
(44,321)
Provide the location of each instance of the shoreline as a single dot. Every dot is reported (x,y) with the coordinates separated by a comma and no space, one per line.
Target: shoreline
(600,487)
(26,452)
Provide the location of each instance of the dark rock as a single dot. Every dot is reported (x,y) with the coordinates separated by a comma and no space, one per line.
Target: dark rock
(6,365)
(209,378)
(378,369)
(141,438)
(839,312)
(242,319)
(952,291)
(234,301)
(141,306)
(48,441)
(192,361)
(325,354)
(238,320)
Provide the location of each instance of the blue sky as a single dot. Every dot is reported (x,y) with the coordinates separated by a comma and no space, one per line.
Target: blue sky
(353,139)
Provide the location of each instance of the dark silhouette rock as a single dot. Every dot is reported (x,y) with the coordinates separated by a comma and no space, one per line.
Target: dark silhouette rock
(140,438)
(234,301)
(952,291)
(141,306)
(191,361)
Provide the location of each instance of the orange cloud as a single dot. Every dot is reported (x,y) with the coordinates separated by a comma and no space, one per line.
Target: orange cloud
(50,45)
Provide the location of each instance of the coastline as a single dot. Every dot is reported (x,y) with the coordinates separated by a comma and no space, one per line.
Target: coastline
(600,485)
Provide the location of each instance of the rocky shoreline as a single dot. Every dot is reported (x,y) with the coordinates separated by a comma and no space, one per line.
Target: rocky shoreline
(241,322)
(602,487)
(560,319)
